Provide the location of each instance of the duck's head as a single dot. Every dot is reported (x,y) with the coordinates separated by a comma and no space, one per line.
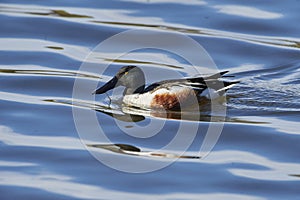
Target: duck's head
(131,77)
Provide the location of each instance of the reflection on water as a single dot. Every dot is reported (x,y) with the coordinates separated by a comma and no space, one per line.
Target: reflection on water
(56,48)
(155,23)
(125,113)
(60,13)
(296,175)
(43,44)
(268,170)
(47,72)
(246,11)
(272,41)
(10,137)
(135,151)
(259,167)
(61,184)
(25,47)
(41,11)
(135,62)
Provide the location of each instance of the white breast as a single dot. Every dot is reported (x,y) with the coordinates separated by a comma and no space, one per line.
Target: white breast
(145,100)
(142,100)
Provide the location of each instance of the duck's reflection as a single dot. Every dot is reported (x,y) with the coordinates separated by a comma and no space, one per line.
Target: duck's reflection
(132,150)
(202,113)
(123,116)
(199,112)
(124,113)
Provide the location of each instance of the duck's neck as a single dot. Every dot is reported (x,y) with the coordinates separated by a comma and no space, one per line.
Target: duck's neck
(138,90)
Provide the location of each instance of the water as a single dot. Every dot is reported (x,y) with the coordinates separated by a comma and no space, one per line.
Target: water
(43,45)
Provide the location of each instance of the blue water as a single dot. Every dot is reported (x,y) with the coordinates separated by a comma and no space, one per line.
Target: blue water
(43,45)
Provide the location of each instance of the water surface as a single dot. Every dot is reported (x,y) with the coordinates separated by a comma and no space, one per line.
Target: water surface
(43,45)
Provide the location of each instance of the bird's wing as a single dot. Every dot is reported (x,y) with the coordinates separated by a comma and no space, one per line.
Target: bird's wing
(196,83)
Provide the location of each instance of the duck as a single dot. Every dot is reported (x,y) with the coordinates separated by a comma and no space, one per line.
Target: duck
(172,94)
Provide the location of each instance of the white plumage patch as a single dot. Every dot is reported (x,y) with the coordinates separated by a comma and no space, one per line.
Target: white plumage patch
(142,100)
(166,98)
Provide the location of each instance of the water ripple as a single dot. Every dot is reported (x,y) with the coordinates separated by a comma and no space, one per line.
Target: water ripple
(279,42)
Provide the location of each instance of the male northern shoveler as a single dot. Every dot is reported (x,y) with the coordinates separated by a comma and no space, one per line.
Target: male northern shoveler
(168,94)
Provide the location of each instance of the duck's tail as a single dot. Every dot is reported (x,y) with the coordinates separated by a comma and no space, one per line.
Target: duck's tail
(227,85)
